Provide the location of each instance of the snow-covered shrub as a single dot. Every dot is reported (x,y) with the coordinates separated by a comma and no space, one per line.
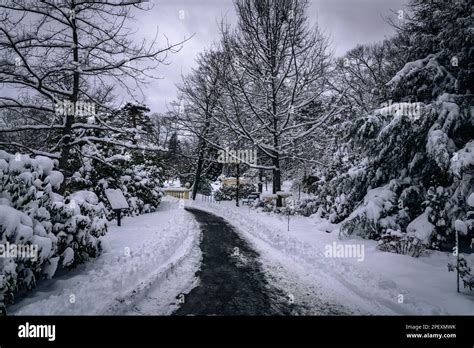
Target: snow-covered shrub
(401,243)
(371,218)
(267,203)
(308,206)
(141,186)
(58,231)
(463,228)
(465,272)
(78,223)
(138,176)
(205,187)
(285,210)
(127,159)
(228,192)
(411,199)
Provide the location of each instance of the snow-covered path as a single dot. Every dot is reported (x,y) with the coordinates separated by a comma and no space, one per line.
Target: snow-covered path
(144,265)
(230,278)
(383,283)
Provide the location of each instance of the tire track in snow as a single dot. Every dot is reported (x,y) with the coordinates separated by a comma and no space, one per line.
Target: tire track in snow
(156,295)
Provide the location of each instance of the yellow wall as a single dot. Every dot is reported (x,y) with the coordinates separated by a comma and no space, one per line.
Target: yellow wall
(233,181)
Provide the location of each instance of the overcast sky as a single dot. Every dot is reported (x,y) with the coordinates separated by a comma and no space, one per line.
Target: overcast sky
(346,22)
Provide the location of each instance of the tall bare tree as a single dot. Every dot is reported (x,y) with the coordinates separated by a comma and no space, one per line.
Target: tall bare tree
(200,93)
(278,64)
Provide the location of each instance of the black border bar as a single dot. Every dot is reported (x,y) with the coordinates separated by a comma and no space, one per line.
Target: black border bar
(195,330)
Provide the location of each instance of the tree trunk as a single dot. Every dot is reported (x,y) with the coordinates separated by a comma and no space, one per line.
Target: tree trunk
(65,151)
(260,180)
(277,180)
(276,167)
(276,158)
(237,181)
(202,150)
(197,176)
(67,131)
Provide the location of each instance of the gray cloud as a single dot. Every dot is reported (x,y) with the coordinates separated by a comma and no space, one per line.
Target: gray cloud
(346,22)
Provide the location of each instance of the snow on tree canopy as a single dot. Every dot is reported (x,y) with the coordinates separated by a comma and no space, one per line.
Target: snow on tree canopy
(46,164)
(12,222)
(375,202)
(437,147)
(470,200)
(116,199)
(68,257)
(421,227)
(463,159)
(460,226)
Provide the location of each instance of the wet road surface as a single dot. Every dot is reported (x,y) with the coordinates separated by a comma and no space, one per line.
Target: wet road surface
(231,279)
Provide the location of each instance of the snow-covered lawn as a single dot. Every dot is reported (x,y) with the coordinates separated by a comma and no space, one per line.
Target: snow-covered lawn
(373,285)
(145,264)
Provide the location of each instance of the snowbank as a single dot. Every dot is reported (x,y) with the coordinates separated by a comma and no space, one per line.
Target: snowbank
(154,252)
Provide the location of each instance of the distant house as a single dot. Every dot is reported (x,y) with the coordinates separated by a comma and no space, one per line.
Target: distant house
(229,181)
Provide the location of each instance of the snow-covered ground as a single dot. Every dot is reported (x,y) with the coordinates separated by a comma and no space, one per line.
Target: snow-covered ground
(145,264)
(153,258)
(378,283)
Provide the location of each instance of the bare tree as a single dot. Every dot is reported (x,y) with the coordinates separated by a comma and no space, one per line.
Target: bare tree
(277,66)
(363,73)
(71,51)
(199,94)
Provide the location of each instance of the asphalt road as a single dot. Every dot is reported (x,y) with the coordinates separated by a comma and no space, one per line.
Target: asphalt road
(231,278)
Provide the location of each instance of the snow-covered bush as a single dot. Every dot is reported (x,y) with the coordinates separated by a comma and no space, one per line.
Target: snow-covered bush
(57,231)
(141,186)
(308,206)
(138,176)
(401,243)
(205,187)
(462,228)
(465,272)
(78,222)
(128,160)
(228,192)
(372,217)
